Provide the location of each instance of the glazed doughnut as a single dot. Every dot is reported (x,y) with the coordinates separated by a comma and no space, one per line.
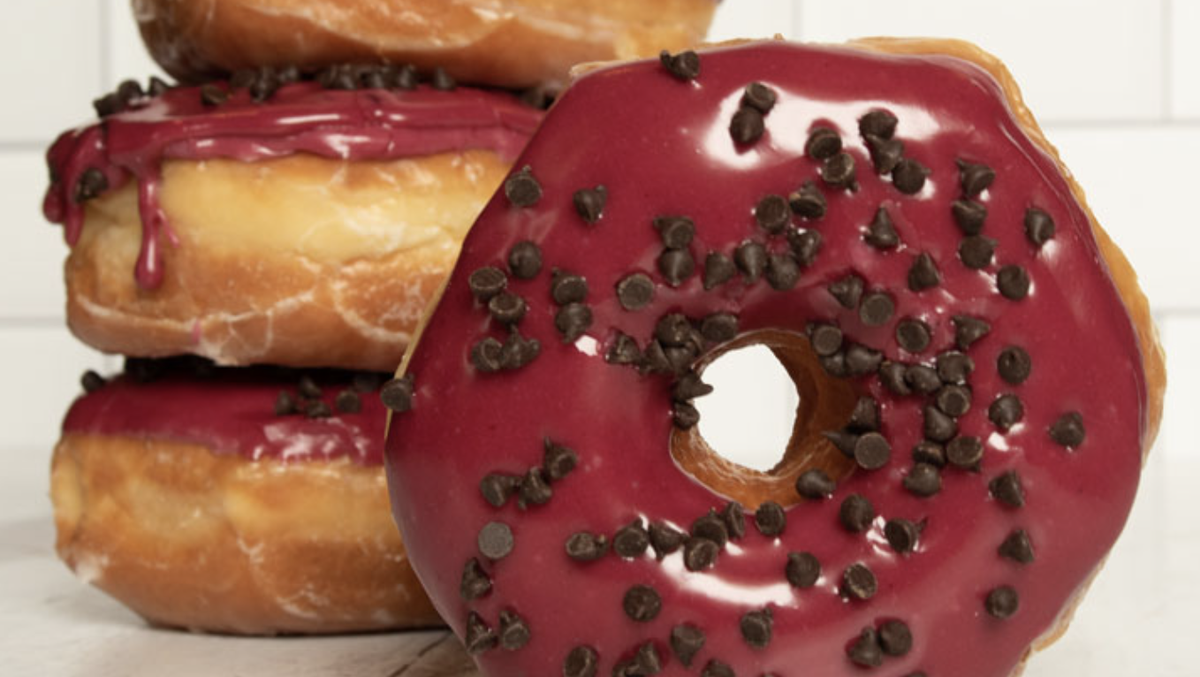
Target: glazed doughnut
(506,43)
(979,377)
(190,500)
(275,221)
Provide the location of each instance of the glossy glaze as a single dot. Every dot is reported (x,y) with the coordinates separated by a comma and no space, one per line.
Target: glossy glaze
(663,147)
(233,413)
(300,118)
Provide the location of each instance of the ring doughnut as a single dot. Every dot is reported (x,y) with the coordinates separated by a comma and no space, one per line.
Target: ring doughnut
(979,377)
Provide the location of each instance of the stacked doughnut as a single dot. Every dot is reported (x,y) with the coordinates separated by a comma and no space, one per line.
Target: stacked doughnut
(260,241)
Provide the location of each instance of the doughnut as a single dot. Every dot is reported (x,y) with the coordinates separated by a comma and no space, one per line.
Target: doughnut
(247,500)
(979,377)
(271,220)
(506,43)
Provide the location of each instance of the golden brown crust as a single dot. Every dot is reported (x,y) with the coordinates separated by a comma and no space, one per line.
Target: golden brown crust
(299,261)
(191,539)
(510,43)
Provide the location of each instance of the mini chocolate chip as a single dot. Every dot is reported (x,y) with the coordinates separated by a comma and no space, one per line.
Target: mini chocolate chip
(684,65)
(718,269)
(759,97)
(938,426)
(929,452)
(497,488)
(129,90)
(803,569)
(881,233)
(872,451)
(976,251)
(1013,282)
(858,582)
(861,360)
(865,415)
(572,320)
(308,387)
(507,308)
(751,259)
(655,360)
(624,350)
(567,288)
(673,329)
(495,540)
(1007,489)
(686,641)
(475,582)
(902,535)
(826,339)
(533,490)
(891,375)
(734,516)
(839,171)
(109,104)
(823,143)
(1039,226)
(1006,411)
(514,632)
(805,244)
(91,184)
(285,404)
(518,351)
(815,484)
(847,290)
(642,603)
(856,513)
(404,77)
(835,365)
(486,282)
(844,441)
(756,627)
(773,214)
(213,95)
(676,232)
(710,526)
(589,203)
(715,668)
(525,260)
(965,452)
(808,202)
(747,125)
(1002,602)
(676,265)
(680,359)
(397,394)
(479,636)
(586,547)
(699,554)
(969,216)
(522,188)
(645,663)
(923,379)
(865,651)
(338,76)
(878,123)
(974,178)
(954,400)
(954,367)
(913,335)
(348,402)
(719,327)
(1017,547)
(895,638)
(665,539)
(1014,365)
(909,176)
(441,80)
(923,480)
(558,461)
(968,330)
(876,309)
(886,154)
(782,271)
(91,382)
(1068,430)
(631,540)
(924,273)
(770,519)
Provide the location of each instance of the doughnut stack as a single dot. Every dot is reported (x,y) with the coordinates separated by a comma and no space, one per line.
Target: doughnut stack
(260,241)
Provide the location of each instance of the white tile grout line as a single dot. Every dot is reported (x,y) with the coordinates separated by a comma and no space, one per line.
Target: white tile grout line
(1168,59)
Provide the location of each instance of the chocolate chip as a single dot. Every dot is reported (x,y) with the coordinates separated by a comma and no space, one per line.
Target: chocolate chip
(673,329)
(843,440)
(1013,282)
(684,416)
(734,516)
(1068,430)
(878,123)
(858,582)
(348,402)
(567,288)
(929,452)
(886,154)
(557,461)
(756,627)
(109,104)
(876,309)
(924,273)
(1002,602)
(495,540)
(747,125)
(1006,411)
(719,327)
(686,641)
(486,282)
(533,490)
(642,603)
(902,535)
(895,638)
(835,365)
(954,367)
(913,335)
(782,271)
(968,330)
(974,178)
(624,350)
(655,360)
(699,554)
(808,202)
(676,265)
(891,375)
(338,76)
(317,409)
(441,80)
(213,95)
(479,636)
(839,171)
(507,308)
(823,143)
(976,251)
(856,513)
(861,360)
(589,203)
(497,488)
(514,632)
(475,582)
(676,232)
(1039,226)
(404,77)
(826,339)
(522,188)
(865,651)
(665,539)
(770,519)
(91,382)
(1014,365)
(872,451)
(684,65)
(525,260)
(572,320)
(954,400)
(91,184)
(1017,547)
(1007,489)
(881,233)
(397,394)
(631,540)
(715,668)
(847,290)
(718,269)
(938,426)
(865,415)
(923,379)
(645,662)
(773,214)
(815,484)
(710,526)
(308,387)
(909,176)
(518,351)
(759,97)
(285,404)
(803,569)
(586,547)
(581,662)
(751,259)
(969,215)
(923,480)
(805,244)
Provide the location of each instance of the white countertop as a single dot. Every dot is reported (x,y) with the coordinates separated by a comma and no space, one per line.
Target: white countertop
(1138,619)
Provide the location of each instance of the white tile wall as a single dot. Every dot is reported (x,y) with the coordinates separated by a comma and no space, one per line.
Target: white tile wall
(1115,81)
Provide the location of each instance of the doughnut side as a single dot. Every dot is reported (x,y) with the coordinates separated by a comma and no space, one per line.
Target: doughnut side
(293,261)
(218,543)
(511,43)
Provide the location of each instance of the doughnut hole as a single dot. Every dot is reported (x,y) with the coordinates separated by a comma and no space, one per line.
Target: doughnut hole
(825,403)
